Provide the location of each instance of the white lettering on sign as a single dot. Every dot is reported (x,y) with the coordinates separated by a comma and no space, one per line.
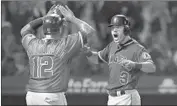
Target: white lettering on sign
(168,86)
(87,85)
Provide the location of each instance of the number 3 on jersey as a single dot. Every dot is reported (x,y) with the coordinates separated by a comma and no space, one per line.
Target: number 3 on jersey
(42,67)
(124,77)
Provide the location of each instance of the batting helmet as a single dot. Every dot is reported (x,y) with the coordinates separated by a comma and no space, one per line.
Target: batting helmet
(53,21)
(120,20)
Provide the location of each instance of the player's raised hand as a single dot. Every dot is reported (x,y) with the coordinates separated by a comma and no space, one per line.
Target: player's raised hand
(128,64)
(66,12)
(52,10)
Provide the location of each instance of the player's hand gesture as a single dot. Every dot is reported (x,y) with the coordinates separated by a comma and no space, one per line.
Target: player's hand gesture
(53,9)
(67,13)
(86,50)
(128,64)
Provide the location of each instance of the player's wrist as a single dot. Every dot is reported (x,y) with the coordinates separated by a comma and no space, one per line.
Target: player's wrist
(138,65)
(74,20)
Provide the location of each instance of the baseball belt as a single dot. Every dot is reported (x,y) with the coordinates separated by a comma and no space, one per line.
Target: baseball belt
(116,93)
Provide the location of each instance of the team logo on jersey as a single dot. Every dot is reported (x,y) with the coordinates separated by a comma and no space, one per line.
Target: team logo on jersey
(116,58)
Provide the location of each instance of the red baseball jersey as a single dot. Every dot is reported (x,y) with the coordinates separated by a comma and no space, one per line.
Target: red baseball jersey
(50,60)
(121,77)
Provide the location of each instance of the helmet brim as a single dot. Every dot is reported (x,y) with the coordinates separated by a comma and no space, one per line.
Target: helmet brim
(113,25)
(110,25)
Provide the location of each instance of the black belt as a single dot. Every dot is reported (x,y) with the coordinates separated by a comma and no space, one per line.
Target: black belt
(116,93)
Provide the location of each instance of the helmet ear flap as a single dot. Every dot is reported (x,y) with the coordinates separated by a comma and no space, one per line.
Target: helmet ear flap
(126,30)
(126,26)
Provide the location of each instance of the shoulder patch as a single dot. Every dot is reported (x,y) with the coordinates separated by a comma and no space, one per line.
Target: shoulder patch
(146,55)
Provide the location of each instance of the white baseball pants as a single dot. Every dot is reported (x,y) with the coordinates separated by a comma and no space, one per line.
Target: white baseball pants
(131,97)
(33,98)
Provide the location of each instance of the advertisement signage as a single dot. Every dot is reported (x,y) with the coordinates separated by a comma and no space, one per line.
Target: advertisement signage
(97,84)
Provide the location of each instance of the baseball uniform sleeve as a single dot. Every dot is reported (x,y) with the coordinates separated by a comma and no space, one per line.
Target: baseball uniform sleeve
(74,43)
(27,34)
(143,56)
(27,39)
(103,54)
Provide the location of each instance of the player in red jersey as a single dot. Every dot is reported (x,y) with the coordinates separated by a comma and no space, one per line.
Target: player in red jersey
(50,57)
(127,60)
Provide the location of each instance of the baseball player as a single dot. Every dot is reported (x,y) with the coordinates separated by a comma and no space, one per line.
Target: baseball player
(127,61)
(50,57)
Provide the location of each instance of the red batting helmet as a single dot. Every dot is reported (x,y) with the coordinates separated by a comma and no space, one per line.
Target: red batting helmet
(52,24)
(120,20)
(53,21)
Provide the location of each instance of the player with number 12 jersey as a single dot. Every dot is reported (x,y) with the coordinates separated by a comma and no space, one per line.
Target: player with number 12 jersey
(50,57)
(49,61)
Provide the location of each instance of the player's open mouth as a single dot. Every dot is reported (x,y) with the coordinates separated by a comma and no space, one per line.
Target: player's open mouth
(115,35)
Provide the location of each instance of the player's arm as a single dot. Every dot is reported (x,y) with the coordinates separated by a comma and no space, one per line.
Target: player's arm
(103,54)
(147,66)
(145,62)
(27,32)
(31,27)
(85,29)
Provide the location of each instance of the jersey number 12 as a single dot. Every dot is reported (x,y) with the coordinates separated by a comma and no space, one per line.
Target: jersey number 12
(42,67)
